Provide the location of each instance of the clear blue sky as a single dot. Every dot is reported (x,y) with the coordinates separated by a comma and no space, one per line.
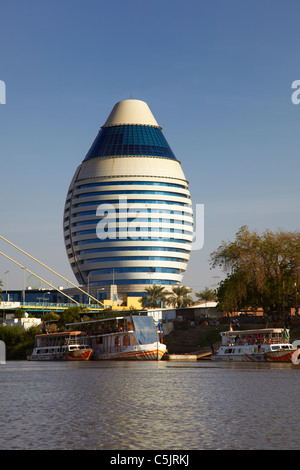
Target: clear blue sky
(217,76)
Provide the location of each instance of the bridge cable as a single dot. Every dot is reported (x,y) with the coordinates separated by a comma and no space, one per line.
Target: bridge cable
(47,267)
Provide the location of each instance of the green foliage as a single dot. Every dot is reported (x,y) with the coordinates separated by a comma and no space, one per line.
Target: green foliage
(51,316)
(17,340)
(70,315)
(156,294)
(180,297)
(262,270)
(207,294)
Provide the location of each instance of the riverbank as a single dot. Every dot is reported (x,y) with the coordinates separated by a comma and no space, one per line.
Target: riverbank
(190,340)
(199,339)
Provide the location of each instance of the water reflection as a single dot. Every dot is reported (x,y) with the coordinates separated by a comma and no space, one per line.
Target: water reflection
(149,405)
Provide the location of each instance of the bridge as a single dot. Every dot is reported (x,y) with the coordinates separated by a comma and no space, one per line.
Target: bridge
(45,307)
(29,305)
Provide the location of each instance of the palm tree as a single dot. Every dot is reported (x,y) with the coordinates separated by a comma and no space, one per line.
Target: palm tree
(156,294)
(180,297)
(207,294)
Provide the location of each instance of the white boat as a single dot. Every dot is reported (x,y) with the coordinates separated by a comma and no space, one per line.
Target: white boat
(260,345)
(67,346)
(123,338)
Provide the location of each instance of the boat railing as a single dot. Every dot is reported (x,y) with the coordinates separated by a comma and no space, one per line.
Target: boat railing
(108,331)
(49,342)
(254,341)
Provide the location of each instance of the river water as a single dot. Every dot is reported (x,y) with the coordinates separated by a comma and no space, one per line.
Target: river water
(149,405)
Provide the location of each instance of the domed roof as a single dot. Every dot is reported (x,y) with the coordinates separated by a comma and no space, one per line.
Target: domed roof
(131,112)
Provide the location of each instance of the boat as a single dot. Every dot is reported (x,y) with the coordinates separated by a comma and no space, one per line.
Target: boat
(133,337)
(68,345)
(259,345)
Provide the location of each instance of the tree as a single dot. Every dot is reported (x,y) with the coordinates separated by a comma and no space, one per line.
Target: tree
(70,315)
(1,284)
(156,294)
(207,294)
(180,297)
(261,270)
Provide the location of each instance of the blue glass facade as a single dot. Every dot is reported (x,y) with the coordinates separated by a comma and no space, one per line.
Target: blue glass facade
(130,140)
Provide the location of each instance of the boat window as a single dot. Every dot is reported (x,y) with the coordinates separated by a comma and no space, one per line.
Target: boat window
(275,347)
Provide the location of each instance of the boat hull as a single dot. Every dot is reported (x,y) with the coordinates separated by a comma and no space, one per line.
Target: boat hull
(271,356)
(78,355)
(279,356)
(240,358)
(147,352)
(46,357)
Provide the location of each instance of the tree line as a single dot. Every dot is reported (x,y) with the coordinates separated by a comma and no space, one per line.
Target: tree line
(262,271)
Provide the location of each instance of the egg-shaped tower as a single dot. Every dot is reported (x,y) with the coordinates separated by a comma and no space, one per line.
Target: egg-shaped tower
(128,218)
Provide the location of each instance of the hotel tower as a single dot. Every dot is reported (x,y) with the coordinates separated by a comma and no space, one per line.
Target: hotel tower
(128,219)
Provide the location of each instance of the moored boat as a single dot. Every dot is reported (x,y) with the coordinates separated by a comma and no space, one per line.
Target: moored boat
(132,337)
(260,345)
(68,346)
(77,352)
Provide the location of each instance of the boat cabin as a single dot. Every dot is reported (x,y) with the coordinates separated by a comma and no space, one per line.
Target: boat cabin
(255,337)
(51,340)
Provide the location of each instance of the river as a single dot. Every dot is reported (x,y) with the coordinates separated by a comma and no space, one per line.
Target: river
(149,405)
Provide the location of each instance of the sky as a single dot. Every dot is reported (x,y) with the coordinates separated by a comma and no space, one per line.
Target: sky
(217,76)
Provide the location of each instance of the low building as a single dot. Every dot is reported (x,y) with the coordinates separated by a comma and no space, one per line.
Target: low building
(25,322)
(205,309)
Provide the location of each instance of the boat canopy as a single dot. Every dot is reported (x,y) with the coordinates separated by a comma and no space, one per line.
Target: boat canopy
(145,330)
(61,334)
(261,331)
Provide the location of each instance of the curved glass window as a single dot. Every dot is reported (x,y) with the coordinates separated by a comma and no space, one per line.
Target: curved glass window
(140,210)
(136,191)
(135,258)
(135,201)
(134,269)
(133,248)
(133,281)
(158,239)
(130,140)
(127,183)
(133,230)
(138,220)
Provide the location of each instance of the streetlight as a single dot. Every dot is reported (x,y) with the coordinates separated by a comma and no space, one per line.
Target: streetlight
(6,273)
(24,269)
(296,289)
(88,288)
